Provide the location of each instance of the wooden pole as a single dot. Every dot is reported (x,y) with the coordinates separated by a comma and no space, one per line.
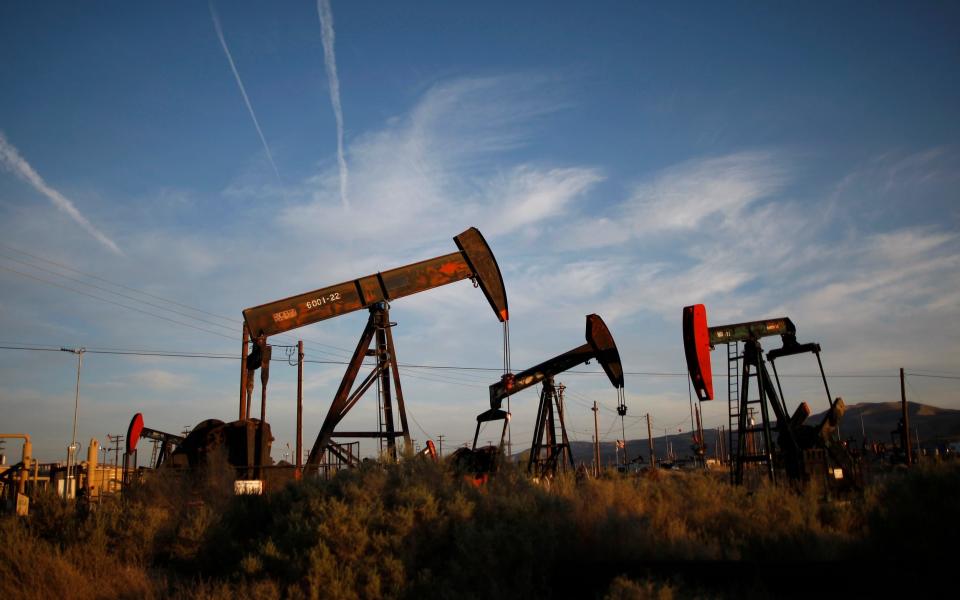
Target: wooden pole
(243,374)
(596,441)
(264,377)
(653,458)
(299,471)
(905,435)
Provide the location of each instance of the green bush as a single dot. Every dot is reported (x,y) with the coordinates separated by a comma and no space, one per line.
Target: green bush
(415,529)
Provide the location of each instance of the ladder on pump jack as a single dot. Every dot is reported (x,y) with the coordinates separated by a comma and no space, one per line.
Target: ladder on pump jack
(733,398)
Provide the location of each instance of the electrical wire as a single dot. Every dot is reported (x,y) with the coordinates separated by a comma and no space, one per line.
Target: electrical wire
(232,320)
(577,397)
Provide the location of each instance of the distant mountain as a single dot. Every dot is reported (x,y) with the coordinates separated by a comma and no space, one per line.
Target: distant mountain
(936,427)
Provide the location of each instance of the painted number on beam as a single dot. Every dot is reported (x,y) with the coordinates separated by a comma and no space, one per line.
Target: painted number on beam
(318,302)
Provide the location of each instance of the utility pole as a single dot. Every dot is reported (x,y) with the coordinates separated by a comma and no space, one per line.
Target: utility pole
(71,451)
(299,471)
(653,459)
(509,434)
(905,434)
(243,374)
(440,439)
(596,440)
(116,449)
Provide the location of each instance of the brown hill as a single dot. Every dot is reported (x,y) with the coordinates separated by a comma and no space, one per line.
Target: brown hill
(936,427)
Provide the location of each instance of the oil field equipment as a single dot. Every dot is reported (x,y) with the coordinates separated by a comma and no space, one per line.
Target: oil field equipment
(547,454)
(165,444)
(473,260)
(804,451)
(13,480)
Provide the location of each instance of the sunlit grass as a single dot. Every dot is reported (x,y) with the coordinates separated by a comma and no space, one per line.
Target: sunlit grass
(417,530)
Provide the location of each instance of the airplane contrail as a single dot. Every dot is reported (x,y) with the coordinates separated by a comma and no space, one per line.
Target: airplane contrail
(243,91)
(10,158)
(330,62)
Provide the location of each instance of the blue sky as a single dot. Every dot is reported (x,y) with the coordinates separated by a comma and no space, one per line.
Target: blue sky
(621,158)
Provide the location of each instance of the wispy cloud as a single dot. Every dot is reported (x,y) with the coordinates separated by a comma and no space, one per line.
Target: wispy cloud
(421,162)
(16,164)
(243,91)
(330,62)
(526,196)
(683,197)
(157,379)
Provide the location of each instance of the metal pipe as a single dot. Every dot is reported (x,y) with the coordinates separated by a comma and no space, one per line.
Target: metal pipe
(26,457)
(93,449)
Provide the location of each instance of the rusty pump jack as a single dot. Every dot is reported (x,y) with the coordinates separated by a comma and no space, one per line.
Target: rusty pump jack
(473,260)
(699,340)
(546,456)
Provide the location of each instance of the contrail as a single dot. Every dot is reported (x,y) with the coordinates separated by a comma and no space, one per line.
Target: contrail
(330,61)
(243,91)
(16,164)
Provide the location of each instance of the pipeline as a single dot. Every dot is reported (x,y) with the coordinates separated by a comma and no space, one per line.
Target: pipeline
(27,456)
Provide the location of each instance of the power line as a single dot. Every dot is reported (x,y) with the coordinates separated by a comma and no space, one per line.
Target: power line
(141,292)
(127,296)
(108,301)
(583,400)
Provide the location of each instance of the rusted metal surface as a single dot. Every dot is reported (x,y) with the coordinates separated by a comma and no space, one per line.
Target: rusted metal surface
(245,444)
(376,332)
(539,373)
(600,346)
(474,260)
(264,379)
(751,330)
(480,258)
(605,349)
(547,453)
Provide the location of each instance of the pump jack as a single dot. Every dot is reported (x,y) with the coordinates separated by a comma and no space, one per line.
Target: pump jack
(546,456)
(473,260)
(137,431)
(793,437)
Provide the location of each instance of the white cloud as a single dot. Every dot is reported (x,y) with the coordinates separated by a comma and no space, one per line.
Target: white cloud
(243,90)
(428,175)
(157,379)
(526,196)
(704,192)
(330,63)
(10,158)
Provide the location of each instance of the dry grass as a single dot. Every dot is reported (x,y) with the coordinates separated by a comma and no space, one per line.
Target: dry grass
(416,530)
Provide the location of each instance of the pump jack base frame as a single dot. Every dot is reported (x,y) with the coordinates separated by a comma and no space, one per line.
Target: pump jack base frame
(376,332)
